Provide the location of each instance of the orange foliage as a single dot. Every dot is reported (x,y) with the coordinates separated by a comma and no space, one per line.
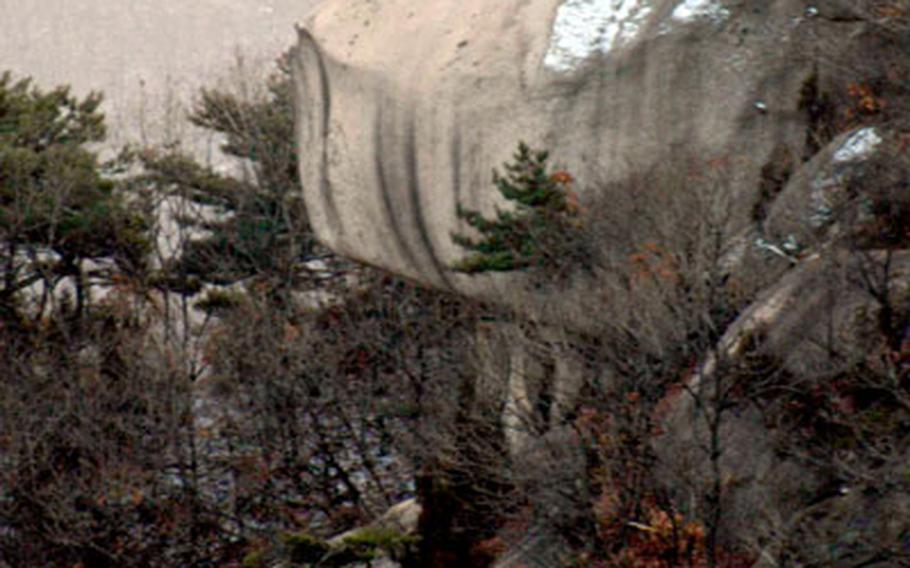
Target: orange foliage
(660,540)
(654,263)
(562,177)
(650,534)
(573,203)
(864,103)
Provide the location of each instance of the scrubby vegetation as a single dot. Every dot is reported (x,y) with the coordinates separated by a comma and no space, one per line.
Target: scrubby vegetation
(195,407)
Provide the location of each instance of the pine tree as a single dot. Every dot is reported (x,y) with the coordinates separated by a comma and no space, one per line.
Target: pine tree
(539,232)
(58,205)
(262,229)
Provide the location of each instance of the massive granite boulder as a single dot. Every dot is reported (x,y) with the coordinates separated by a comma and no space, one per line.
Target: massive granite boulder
(405,108)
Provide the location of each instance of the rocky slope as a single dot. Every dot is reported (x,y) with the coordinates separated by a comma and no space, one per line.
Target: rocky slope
(785,111)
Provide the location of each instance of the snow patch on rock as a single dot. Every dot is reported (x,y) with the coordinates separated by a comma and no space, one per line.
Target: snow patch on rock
(690,10)
(859,145)
(585,27)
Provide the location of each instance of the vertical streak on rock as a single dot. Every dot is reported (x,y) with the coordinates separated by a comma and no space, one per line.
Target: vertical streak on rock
(392,223)
(456,162)
(313,115)
(413,186)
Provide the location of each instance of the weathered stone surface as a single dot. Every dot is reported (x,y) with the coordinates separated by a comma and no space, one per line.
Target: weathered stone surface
(404,110)
(812,312)
(406,107)
(810,208)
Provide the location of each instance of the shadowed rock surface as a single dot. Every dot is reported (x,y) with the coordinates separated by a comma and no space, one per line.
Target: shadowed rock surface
(406,108)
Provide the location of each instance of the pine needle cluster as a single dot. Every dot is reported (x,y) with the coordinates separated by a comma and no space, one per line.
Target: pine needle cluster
(541,231)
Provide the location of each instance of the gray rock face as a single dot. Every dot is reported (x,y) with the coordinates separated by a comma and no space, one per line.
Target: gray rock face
(810,313)
(406,107)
